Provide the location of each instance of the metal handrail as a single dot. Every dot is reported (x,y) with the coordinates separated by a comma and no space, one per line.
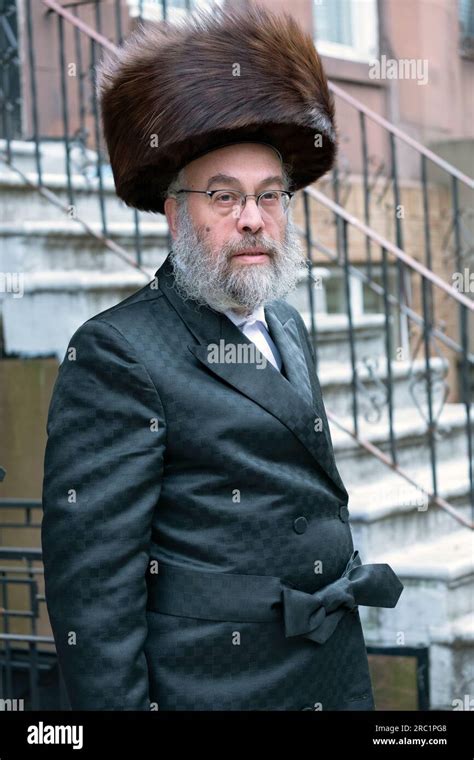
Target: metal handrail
(382,457)
(391,247)
(54,7)
(397,132)
(344,219)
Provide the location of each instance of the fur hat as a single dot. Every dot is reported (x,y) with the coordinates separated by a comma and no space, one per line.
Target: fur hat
(173,92)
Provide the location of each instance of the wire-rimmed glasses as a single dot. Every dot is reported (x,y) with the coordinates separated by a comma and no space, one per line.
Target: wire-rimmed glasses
(271,202)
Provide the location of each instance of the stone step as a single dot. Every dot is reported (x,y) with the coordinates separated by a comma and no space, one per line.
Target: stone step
(65,245)
(20,200)
(438,579)
(408,385)
(452,664)
(55,304)
(391,511)
(357,466)
(52,155)
(333,342)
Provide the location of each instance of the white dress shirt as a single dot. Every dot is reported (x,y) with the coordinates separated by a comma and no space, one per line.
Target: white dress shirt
(256,329)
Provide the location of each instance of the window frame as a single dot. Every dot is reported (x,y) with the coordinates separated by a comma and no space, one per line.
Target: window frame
(365,47)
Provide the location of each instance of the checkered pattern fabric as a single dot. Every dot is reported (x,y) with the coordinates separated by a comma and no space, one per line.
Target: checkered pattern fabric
(157,452)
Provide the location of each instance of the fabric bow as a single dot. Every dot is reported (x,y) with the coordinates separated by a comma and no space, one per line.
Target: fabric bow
(316,615)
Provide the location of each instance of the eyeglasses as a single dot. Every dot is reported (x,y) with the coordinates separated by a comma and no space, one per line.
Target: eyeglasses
(271,202)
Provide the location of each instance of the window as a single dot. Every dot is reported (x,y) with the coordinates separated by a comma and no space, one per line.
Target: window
(346,28)
(466,27)
(152,10)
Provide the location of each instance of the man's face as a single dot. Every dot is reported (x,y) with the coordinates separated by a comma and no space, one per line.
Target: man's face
(228,257)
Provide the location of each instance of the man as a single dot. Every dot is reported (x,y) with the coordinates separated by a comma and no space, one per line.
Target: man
(196,538)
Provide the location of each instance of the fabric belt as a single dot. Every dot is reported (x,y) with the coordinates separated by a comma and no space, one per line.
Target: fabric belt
(212,595)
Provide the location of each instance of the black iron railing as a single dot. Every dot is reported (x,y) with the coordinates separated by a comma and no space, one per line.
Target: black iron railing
(427,336)
(30,678)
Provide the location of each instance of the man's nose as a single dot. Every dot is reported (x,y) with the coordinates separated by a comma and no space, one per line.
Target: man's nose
(250,219)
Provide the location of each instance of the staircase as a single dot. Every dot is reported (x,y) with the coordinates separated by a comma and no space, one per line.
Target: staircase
(431,552)
(402,445)
(68,273)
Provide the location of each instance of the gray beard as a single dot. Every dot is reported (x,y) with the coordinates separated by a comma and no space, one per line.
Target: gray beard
(212,279)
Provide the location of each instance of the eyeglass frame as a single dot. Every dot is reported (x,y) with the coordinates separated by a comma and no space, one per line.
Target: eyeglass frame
(243,196)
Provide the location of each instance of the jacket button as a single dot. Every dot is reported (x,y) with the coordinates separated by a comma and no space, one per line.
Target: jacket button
(344,514)
(300,524)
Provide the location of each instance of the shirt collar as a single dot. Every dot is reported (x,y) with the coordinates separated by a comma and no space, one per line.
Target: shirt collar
(258,315)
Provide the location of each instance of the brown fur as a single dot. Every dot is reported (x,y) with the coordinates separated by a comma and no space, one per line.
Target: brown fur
(176,82)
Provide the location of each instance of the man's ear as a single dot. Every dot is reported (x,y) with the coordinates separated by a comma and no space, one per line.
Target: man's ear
(171,207)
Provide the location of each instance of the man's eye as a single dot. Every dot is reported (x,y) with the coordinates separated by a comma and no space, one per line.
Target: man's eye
(226,198)
(270,197)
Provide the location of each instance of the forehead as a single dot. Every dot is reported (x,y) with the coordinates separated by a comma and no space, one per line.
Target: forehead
(248,163)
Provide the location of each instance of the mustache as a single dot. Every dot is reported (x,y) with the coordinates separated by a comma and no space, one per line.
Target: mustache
(247,244)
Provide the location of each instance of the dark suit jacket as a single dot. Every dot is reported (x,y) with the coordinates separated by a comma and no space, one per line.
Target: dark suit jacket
(156,453)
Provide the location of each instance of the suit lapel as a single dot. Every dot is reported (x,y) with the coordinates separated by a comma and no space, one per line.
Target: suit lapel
(291,400)
(285,335)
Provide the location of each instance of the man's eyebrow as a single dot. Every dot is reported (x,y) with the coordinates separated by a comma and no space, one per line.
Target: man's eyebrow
(228,179)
